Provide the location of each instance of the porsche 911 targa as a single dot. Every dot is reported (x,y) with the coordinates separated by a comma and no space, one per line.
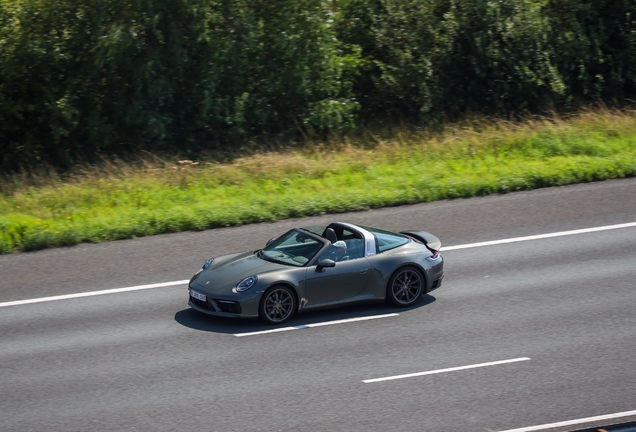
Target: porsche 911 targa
(319,266)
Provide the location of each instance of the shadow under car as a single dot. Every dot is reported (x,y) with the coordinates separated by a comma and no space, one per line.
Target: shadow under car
(199,321)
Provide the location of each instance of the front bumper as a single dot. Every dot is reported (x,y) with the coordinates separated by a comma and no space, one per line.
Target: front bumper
(227,307)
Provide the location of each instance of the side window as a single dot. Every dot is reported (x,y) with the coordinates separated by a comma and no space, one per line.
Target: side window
(386,240)
(336,252)
(355,249)
(349,246)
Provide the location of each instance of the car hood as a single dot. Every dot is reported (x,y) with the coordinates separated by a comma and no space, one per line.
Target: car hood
(227,271)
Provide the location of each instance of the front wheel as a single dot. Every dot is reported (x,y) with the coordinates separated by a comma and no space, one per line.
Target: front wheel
(277,305)
(405,287)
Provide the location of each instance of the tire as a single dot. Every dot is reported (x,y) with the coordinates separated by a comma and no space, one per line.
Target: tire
(405,286)
(278,305)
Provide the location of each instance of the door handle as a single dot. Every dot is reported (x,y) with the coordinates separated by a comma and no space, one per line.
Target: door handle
(363,271)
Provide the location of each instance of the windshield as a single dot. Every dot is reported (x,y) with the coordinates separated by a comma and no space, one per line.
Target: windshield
(292,248)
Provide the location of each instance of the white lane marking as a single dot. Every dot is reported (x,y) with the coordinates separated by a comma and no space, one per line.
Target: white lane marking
(93,293)
(538,237)
(573,422)
(417,374)
(444,249)
(304,326)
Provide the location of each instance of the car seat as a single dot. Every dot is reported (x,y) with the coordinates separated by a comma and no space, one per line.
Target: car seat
(330,234)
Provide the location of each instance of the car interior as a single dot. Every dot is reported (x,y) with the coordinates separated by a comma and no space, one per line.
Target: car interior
(346,245)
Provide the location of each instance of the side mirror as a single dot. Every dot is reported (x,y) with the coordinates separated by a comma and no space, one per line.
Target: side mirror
(325,263)
(270,240)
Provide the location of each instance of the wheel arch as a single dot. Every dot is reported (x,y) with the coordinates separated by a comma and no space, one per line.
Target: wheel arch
(410,264)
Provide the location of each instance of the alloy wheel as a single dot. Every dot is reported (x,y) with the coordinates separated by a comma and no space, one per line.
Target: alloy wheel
(406,287)
(278,305)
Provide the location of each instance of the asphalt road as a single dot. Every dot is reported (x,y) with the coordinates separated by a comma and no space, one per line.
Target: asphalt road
(562,308)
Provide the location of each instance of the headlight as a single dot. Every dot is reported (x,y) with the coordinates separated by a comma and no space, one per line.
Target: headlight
(204,266)
(246,283)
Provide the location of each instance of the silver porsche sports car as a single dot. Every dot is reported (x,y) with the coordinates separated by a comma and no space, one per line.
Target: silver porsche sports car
(319,266)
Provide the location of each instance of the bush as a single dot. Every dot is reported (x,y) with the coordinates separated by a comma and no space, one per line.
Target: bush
(90,77)
(82,78)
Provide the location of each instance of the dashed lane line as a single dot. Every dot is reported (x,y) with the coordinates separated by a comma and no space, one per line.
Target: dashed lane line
(319,324)
(438,371)
(574,422)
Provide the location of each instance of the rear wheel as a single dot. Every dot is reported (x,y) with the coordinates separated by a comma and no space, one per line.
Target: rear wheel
(277,305)
(405,286)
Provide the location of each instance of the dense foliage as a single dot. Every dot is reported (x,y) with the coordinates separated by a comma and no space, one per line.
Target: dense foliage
(80,78)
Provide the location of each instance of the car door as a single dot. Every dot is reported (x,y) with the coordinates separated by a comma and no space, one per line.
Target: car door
(347,279)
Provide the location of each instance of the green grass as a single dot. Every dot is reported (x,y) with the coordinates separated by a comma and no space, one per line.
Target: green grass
(117,201)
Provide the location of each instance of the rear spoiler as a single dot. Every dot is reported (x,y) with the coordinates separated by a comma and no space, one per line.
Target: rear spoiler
(431,242)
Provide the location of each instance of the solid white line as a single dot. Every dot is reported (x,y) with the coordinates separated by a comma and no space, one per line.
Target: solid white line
(93,293)
(444,249)
(304,326)
(573,422)
(444,370)
(538,237)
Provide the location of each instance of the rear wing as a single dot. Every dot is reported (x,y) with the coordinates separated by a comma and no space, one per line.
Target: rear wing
(429,240)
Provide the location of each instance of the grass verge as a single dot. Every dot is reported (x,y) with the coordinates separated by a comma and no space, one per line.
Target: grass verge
(118,201)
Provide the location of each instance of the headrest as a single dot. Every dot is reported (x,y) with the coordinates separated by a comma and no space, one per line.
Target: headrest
(331,235)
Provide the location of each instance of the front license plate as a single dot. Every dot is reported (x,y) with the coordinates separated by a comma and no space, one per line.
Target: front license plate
(197,295)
